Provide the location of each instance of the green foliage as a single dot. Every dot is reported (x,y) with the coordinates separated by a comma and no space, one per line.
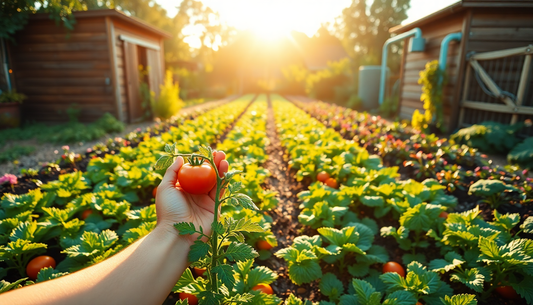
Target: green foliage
(522,154)
(432,81)
(12,96)
(390,105)
(493,192)
(168,103)
(489,136)
(15,152)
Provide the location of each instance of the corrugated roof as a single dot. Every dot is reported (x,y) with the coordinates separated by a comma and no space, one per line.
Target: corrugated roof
(112,13)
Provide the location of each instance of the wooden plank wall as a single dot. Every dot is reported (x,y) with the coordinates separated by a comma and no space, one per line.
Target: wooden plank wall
(434,33)
(57,69)
(498,29)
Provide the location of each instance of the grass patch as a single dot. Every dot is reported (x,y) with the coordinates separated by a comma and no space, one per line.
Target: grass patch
(15,152)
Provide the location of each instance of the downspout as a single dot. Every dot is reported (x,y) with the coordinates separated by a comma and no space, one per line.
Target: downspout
(5,65)
(417,44)
(444,46)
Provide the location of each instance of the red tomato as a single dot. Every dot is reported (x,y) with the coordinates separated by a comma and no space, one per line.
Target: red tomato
(507,292)
(191,298)
(38,263)
(265,288)
(154,192)
(331,182)
(394,267)
(443,215)
(263,245)
(322,177)
(198,271)
(86,214)
(197,179)
(418,303)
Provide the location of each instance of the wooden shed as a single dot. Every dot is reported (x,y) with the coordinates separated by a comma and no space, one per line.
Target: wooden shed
(488,71)
(95,66)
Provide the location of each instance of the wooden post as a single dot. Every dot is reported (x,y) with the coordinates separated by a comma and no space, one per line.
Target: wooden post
(524,77)
(465,94)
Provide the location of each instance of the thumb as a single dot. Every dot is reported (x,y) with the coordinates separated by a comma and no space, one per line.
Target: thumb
(171,175)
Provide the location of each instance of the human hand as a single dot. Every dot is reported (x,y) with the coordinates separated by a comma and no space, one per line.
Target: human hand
(174,205)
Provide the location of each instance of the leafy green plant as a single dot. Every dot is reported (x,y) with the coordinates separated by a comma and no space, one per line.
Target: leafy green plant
(12,96)
(15,152)
(493,192)
(432,80)
(489,136)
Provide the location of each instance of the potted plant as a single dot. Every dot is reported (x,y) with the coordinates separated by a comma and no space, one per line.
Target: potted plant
(10,108)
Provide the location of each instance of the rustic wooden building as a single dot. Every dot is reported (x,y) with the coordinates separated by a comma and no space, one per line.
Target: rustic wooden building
(95,66)
(502,90)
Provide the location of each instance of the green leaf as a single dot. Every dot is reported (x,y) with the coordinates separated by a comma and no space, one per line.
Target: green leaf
(393,281)
(164,162)
(372,201)
(525,289)
(225,274)
(245,201)
(206,151)
(451,261)
(6,286)
(400,297)
(186,279)
(185,228)
(243,225)
(198,251)
(364,291)
(24,230)
(304,272)
(261,275)
(331,286)
(210,298)
(460,299)
(407,258)
(48,273)
(240,252)
(489,250)
(471,278)
(527,226)
(171,149)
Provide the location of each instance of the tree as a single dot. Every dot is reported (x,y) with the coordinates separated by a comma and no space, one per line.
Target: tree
(363,30)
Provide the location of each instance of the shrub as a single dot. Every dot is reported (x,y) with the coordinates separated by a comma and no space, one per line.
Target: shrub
(489,136)
(168,102)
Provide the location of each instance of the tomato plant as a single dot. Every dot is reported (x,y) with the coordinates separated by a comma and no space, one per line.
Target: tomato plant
(394,267)
(443,215)
(507,292)
(38,263)
(191,298)
(331,182)
(197,177)
(198,271)
(265,288)
(263,245)
(322,177)
(86,214)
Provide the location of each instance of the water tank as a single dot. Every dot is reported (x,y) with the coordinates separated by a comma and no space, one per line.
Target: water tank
(369,77)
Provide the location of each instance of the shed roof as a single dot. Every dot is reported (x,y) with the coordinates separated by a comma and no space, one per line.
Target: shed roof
(115,14)
(458,7)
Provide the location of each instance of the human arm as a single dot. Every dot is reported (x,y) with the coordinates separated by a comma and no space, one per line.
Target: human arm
(144,272)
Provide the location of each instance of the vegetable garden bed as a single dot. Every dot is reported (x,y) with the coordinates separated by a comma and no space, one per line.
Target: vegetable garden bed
(457,225)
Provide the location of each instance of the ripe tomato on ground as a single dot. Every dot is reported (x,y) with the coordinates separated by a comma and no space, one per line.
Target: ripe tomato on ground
(38,263)
(394,267)
(263,245)
(86,214)
(322,177)
(265,288)
(191,298)
(331,182)
(197,179)
(507,292)
(443,215)
(154,192)
(198,271)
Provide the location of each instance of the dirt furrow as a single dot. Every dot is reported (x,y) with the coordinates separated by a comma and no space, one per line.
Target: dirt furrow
(285,216)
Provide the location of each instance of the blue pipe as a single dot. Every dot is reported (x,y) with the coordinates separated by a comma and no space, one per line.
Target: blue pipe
(444,46)
(417,44)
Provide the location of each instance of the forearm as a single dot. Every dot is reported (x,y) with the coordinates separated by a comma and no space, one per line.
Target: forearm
(143,273)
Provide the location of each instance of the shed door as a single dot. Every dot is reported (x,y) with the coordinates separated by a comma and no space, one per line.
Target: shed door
(155,73)
(132,78)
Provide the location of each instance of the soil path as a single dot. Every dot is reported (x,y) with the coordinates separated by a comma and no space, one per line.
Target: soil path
(48,152)
(285,225)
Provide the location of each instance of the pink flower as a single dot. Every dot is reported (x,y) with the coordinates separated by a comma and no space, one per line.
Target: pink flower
(8,178)
(89,150)
(65,147)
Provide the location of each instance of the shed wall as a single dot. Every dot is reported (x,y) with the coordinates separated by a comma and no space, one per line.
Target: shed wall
(57,69)
(498,29)
(434,33)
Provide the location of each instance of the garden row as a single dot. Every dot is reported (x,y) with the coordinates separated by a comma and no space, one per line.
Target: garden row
(445,254)
(84,217)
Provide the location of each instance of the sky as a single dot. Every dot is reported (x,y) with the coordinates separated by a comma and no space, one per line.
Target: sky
(275,17)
